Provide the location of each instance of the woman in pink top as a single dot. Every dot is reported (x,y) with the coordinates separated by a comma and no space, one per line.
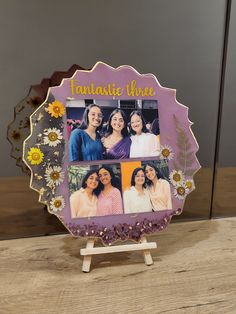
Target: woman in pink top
(159,189)
(109,199)
(83,202)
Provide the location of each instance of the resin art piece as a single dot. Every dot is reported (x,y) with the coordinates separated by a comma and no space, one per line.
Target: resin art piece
(111,153)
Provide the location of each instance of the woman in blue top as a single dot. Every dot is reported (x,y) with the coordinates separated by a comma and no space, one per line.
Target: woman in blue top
(85,142)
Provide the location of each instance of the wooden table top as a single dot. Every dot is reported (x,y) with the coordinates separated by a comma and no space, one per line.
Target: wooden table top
(194,271)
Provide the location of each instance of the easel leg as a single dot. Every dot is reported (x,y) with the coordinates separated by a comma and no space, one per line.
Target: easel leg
(88,258)
(146,253)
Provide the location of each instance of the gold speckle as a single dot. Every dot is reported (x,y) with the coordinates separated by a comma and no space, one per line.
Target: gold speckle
(41,191)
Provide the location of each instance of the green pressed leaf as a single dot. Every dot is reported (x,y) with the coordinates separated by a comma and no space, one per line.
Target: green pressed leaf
(185,156)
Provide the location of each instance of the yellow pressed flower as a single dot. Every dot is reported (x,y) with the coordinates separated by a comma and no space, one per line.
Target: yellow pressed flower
(189,184)
(35,156)
(56,109)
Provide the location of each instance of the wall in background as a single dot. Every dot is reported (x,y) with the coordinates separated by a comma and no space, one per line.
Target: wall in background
(181,43)
(224,202)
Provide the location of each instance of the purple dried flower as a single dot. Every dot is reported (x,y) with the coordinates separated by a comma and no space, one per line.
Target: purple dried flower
(121,231)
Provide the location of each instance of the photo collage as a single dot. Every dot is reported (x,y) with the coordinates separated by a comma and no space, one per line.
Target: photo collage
(114,165)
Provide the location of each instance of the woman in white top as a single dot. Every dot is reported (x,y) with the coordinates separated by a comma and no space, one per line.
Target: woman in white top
(83,203)
(144,143)
(136,198)
(158,189)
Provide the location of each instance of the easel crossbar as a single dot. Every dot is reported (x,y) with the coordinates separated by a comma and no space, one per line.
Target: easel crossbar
(118,248)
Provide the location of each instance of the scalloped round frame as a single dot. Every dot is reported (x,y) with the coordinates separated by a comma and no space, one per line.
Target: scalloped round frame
(177,141)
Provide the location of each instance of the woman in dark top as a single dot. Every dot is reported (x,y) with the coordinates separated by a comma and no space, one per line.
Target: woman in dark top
(85,142)
(116,140)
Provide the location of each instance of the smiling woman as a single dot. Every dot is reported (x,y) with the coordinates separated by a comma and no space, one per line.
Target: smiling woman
(116,140)
(144,143)
(83,202)
(136,198)
(85,142)
(95,190)
(105,133)
(158,188)
(109,198)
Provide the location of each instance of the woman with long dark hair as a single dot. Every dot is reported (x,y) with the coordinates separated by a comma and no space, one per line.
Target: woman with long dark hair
(136,198)
(144,143)
(158,188)
(83,202)
(116,140)
(85,142)
(109,198)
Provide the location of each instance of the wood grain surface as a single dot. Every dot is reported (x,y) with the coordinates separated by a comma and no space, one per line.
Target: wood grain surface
(21,215)
(194,271)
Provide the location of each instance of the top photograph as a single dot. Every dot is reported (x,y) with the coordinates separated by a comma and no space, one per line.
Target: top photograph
(112,129)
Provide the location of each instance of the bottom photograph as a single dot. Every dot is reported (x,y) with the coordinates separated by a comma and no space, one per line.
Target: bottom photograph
(119,188)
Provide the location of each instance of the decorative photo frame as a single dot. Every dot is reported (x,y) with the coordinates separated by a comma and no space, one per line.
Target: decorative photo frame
(76,146)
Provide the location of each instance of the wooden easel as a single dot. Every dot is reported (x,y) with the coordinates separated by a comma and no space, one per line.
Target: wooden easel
(91,250)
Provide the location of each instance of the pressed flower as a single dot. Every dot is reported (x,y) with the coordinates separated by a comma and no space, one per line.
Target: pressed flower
(57,203)
(34,102)
(35,156)
(54,176)
(176,177)
(189,184)
(166,152)
(42,190)
(56,109)
(40,117)
(180,192)
(52,137)
(16,135)
(26,124)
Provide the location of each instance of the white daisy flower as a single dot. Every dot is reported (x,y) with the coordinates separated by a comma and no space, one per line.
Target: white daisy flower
(189,184)
(53,137)
(57,203)
(166,152)
(176,177)
(180,191)
(54,176)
